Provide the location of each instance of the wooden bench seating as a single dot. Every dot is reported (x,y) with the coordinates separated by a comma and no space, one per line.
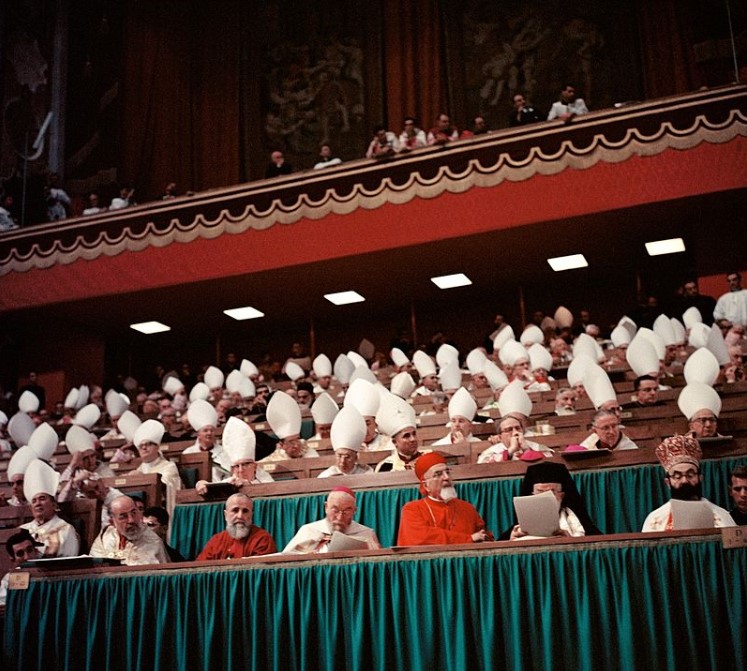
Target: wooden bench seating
(464,456)
(323,446)
(429,434)
(147,484)
(199,462)
(311,467)
(470,471)
(83,514)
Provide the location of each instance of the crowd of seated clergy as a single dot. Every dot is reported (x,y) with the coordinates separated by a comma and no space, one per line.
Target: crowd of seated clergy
(360,410)
(549,505)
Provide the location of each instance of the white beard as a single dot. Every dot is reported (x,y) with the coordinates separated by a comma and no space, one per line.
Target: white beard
(561,412)
(239,531)
(448,493)
(134,536)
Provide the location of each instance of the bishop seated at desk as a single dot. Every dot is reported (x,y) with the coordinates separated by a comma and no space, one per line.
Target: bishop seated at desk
(397,419)
(462,409)
(339,510)
(701,404)
(439,518)
(241,538)
(128,538)
(347,435)
(239,446)
(573,518)
(680,457)
(284,418)
(40,486)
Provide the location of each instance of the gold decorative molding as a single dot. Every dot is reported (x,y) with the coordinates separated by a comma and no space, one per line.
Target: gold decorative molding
(488,161)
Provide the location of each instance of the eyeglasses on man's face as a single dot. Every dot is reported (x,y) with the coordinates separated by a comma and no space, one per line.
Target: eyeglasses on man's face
(677,476)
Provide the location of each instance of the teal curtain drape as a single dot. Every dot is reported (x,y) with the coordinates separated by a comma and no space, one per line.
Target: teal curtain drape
(617,499)
(665,605)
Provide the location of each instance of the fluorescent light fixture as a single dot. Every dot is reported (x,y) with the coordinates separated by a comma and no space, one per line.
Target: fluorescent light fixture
(671,246)
(568,262)
(344,297)
(150,327)
(246,312)
(451,281)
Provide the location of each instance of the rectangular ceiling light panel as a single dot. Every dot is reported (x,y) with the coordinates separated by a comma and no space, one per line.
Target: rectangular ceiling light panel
(671,246)
(344,297)
(244,313)
(568,262)
(451,281)
(150,327)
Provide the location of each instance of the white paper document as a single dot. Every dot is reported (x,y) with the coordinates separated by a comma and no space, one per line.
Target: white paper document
(340,542)
(538,514)
(691,515)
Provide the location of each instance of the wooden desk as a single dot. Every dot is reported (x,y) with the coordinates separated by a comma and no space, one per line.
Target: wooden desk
(86,511)
(197,460)
(147,483)
(471,471)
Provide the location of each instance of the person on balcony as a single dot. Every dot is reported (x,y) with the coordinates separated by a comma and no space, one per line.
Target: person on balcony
(568,106)
(383,145)
(443,132)
(58,202)
(411,136)
(93,205)
(523,113)
(278,166)
(326,160)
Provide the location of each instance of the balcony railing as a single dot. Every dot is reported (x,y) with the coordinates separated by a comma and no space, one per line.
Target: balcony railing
(715,116)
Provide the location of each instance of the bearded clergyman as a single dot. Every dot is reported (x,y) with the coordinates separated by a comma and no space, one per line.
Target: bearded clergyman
(241,538)
(128,538)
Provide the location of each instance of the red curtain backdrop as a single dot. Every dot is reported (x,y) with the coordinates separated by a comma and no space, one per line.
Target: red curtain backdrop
(413,62)
(194,87)
(181,95)
(666,43)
